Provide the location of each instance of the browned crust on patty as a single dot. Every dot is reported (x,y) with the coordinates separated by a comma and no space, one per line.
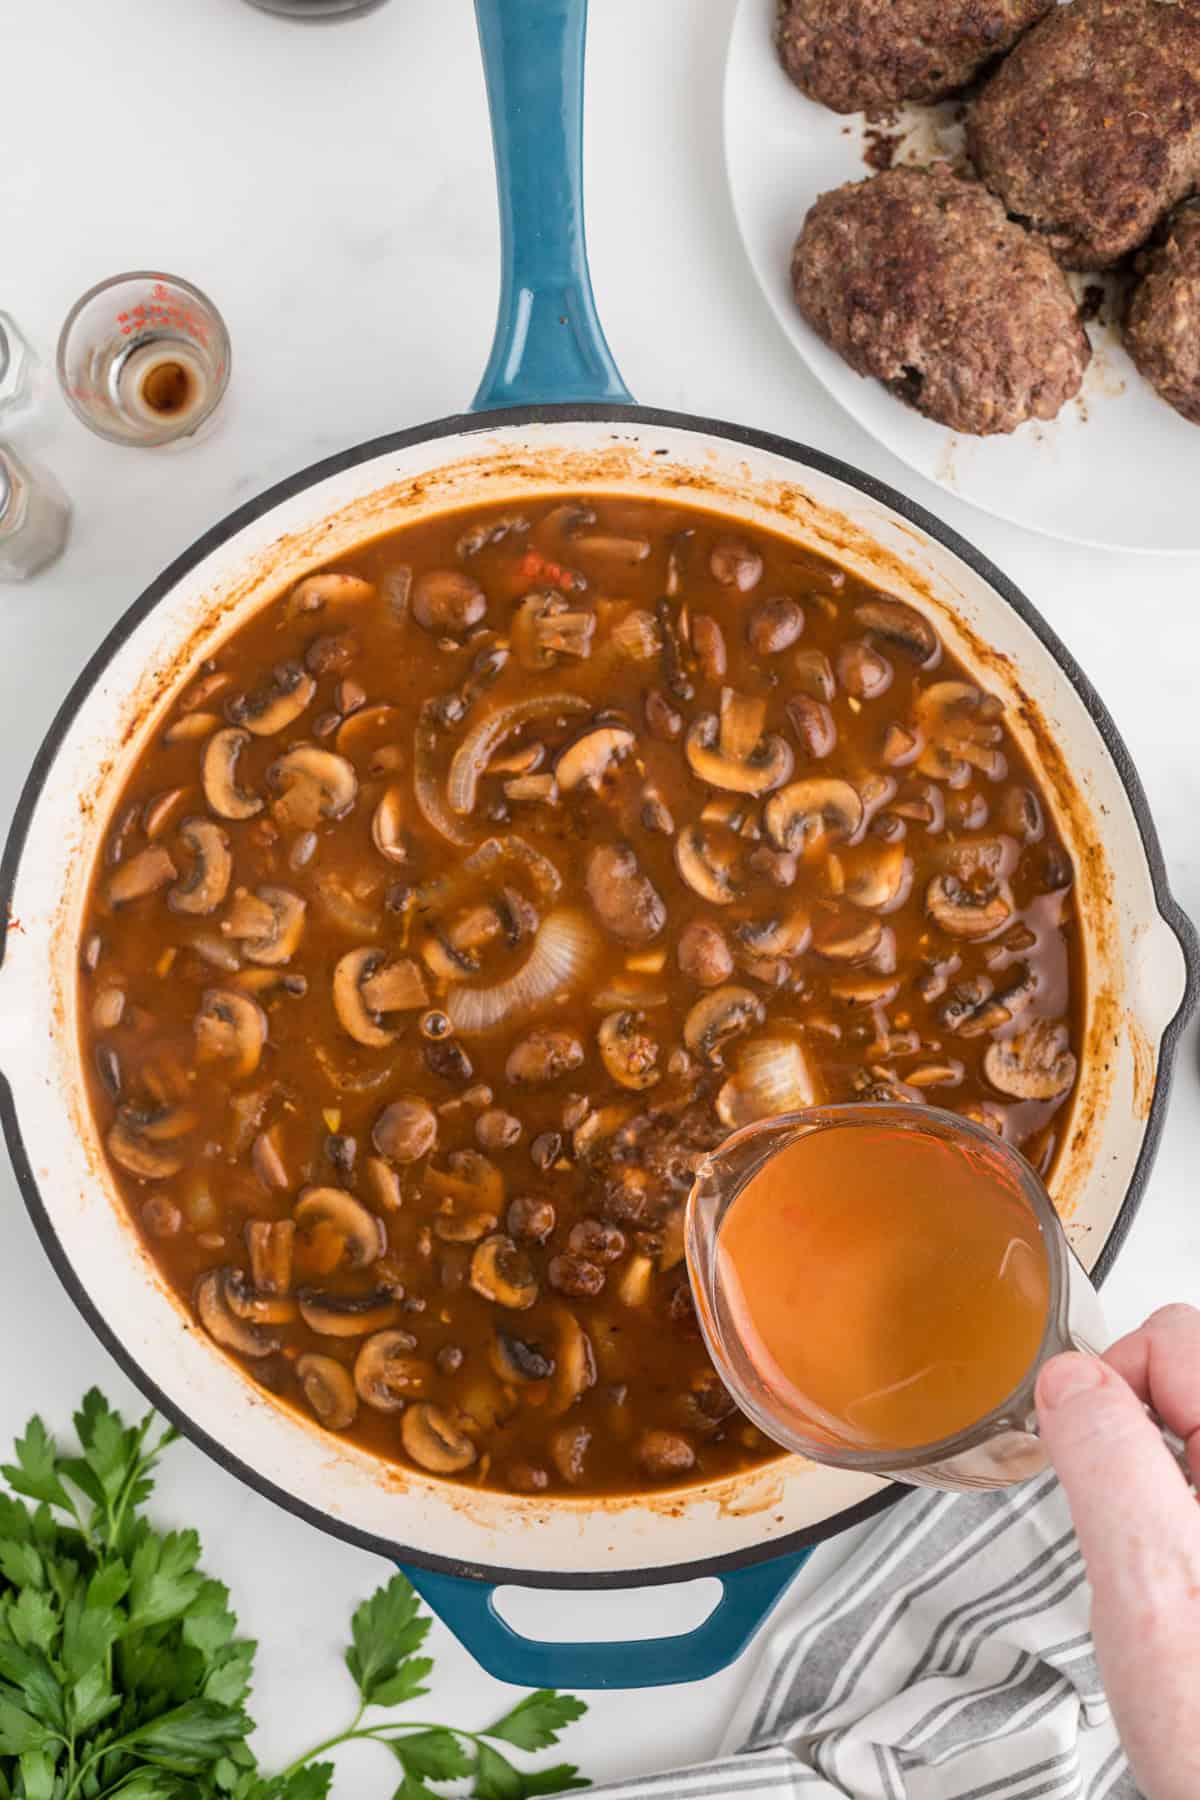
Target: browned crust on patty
(865,55)
(1090,130)
(917,278)
(1162,327)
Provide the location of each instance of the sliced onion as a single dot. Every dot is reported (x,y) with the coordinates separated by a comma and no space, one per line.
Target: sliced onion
(441,891)
(563,950)
(479,746)
(773,1077)
(425,784)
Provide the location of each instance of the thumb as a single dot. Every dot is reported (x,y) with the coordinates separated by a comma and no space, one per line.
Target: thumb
(1120,1479)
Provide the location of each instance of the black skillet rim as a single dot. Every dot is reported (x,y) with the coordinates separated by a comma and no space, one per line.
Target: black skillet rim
(475,424)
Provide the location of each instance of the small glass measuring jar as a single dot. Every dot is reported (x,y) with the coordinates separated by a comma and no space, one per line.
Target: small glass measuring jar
(997,1449)
(144,359)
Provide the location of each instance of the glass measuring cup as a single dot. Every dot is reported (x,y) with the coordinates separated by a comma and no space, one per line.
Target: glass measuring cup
(143,359)
(999,1449)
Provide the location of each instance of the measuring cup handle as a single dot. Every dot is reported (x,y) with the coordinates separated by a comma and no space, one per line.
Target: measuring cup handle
(549,344)
(468,1608)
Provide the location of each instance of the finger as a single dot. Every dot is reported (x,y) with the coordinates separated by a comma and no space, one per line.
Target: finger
(1124,1487)
(1161,1363)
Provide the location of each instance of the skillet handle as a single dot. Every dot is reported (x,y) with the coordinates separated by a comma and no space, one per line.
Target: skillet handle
(468,1608)
(549,344)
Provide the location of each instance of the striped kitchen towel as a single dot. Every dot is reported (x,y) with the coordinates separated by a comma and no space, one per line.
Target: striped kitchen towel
(948,1659)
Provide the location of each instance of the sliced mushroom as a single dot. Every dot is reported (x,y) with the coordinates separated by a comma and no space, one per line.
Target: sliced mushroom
(218,774)
(253,1307)
(328,1390)
(434,1442)
(735,563)
(960,725)
(786,937)
(813,723)
(877,877)
(277,943)
(447,602)
(311,784)
(1036,1064)
(143,1141)
(541,1056)
(624,899)
(270,1243)
(348,1315)
(316,591)
(501,1272)
(575,1363)
(387,1374)
(773,625)
(717,1018)
(973,913)
(628,1051)
(406,1130)
(387,826)
(516,1362)
(361,1232)
(808,812)
(767,766)
(611,546)
(546,627)
(373,732)
(847,940)
(395,986)
(232,1028)
(703,954)
(349,1004)
(706,871)
(190,727)
(206,884)
(277,704)
(223,1326)
(143,874)
(161,810)
(586,762)
(901,625)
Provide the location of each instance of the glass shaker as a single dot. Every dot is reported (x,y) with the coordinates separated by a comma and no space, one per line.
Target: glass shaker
(34,519)
(18,366)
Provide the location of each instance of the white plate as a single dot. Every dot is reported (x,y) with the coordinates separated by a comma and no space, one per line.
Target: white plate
(1117,468)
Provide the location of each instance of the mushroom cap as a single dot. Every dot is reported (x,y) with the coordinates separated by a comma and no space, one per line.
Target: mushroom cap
(275,705)
(278,945)
(902,625)
(144,1142)
(406,1129)
(311,784)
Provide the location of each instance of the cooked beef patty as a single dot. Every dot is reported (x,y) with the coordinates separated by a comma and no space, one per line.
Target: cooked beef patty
(1162,327)
(919,279)
(1090,130)
(862,55)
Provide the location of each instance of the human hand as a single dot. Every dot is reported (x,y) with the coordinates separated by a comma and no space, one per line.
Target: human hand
(1139,1528)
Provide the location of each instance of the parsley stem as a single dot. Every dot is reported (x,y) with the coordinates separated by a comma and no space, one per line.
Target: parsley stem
(343,1737)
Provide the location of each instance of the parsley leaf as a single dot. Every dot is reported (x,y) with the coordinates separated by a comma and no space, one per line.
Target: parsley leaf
(538,1720)
(435,1755)
(387,1629)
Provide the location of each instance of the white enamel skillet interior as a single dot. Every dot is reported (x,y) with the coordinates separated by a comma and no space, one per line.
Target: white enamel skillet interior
(1139,951)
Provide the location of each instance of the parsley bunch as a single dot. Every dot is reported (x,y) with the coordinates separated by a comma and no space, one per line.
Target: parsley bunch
(121,1674)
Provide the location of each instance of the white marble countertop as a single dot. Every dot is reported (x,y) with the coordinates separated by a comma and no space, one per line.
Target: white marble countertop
(332,189)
